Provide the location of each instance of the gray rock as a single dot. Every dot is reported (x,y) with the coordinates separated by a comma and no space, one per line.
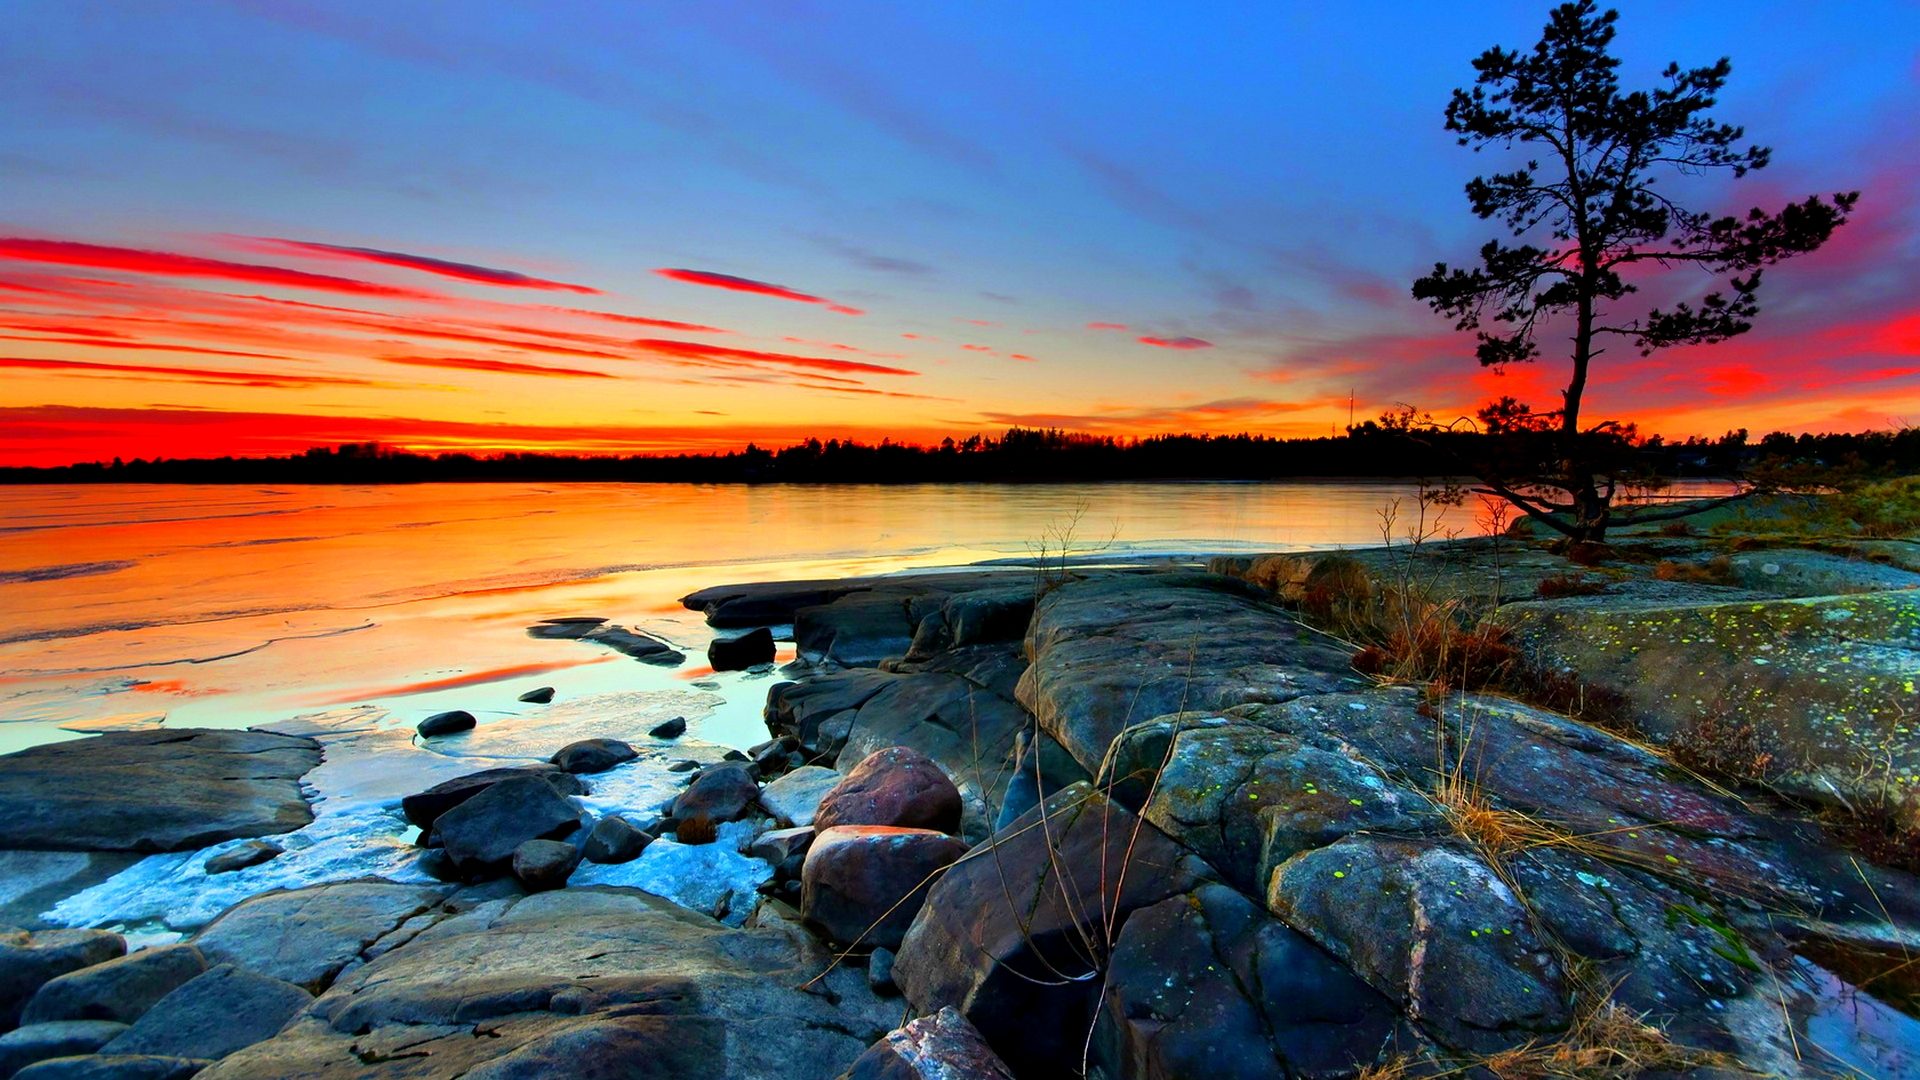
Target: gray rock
(742,652)
(722,793)
(306,936)
(446,723)
(23,1046)
(778,845)
(614,840)
(166,790)
(593,755)
(863,884)
(582,982)
(119,990)
(251,853)
(213,1015)
(880,972)
(541,696)
(114,1067)
(425,807)
(642,647)
(793,798)
(29,961)
(544,864)
(670,729)
(938,1047)
(480,834)
(1027,983)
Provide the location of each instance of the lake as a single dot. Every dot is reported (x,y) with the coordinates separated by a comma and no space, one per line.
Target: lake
(130,605)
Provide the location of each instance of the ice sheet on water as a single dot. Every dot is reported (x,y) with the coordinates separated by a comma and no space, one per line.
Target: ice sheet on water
(713,878)
(626,716)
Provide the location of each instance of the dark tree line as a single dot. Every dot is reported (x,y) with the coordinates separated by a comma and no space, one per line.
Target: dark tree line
(1369,450)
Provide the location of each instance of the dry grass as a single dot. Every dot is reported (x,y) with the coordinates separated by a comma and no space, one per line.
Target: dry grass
(1715,571)
(1606,1041)
(1576,584)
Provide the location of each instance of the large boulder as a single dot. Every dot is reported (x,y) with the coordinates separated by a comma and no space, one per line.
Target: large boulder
(167,790)
(544,864)
(593,755)
(720,793)
(582,982)
(1005,936)
(938,1047)
(23,1046)
(862,884)
(114,1067)
(1111,652)
(742,652)
(306,936)
(1207,984)
(897,786)
(794,797)
(614,839)
(480,835)
(211,1016)
(1434,928)
(121,989)
(29,961)
(1813,695)
(425,807)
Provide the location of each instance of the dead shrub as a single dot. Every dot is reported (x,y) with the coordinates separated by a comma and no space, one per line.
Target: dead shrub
(1715,571)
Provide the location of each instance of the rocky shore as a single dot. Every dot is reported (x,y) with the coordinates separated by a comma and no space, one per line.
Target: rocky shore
(1129,823)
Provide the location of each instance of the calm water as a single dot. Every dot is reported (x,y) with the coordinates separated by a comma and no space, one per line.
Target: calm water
(227,606)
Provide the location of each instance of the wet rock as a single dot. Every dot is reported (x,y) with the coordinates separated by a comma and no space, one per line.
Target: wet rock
(795,797)
(307,936)
(593,755)
(446,723)
(1208,984)
(720,793)
(683,765)
(1111,652)
(880,972)
(165,790)
(541,696)
(251,853)
(480,834)
(544,864)
(425,808)
(213,1015)
(23,1046)
(671,729)
(938,1047)
(582,982)
(742,652)
(778,845)
(898,786)
(862,884)
(642,647)
(1431,926)
(121,989)
(114,1067)
(614,840)
(1026,983)
(29,961)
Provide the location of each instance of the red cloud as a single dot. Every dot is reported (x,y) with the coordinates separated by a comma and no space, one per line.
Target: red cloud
(1177,343)
(638,320)
(748,285)
(1106,326)
(169,264)
(100,343)
(700,350)
(503,367)
(263,379)
(1020,356)
(485,275)
(978,348)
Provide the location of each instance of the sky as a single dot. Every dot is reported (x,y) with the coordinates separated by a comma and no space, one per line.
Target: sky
(252,227)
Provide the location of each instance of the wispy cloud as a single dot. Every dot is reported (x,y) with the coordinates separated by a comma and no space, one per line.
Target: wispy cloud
(700,350)
(498,367)
(747,285)
(260,379)
(1107,326)
(872,260)
(484,275)
(171,264)
(1183,343)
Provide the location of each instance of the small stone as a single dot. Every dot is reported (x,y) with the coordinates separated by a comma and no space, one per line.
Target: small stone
(683,765)
(615,840)
(779,845)
(593,755)
(544,864)
(251,853)
(734,755)
(671,729)
(538,697)
(880,973)
(721,793)
(446,723)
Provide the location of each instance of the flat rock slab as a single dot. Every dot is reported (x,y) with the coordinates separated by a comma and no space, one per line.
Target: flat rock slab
(154,790)
(587,983)
(213,1015)
(306,936)
(776,603)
